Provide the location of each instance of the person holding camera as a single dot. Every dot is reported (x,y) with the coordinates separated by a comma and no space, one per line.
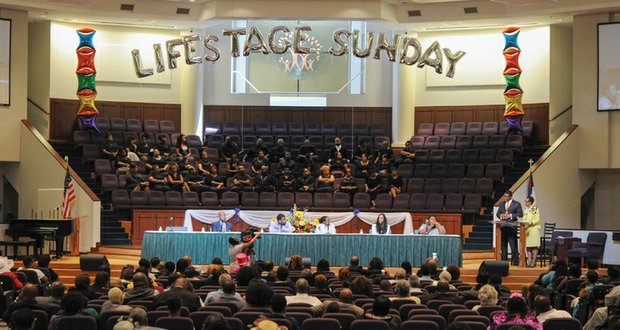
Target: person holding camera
(432,227)
(248,238)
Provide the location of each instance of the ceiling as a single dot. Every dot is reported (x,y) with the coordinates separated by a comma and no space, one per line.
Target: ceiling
(427,14)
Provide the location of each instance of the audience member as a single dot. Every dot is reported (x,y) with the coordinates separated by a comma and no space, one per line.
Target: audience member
(345,301)
(354,266)
(516,312)
(226,292)
(487,296)
(28,262)
(26,299)
(544,311)
(601,315)
(56,291)
(403,292)
(301,294)
(137,319)
(414,283)
(320,285)
(72,304)
(374,186)
(282,279)
(325,181)
(23,319)
(181,289)
(380,311)
(43,263)
(215,322)
(361,285)
(443,293)
(278,310)
(258,296)
(305,183)
(115,302)
(5,269)
(140,290)
(496,281)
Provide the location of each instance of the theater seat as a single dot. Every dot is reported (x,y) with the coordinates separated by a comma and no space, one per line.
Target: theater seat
(279,129)
(230,199)
(463,142)
(230,129)
(190,198)
(415,185)
(157,198)
(472,203)
(345,129)
(490,128)
(150,125)
(454,202)
(312,129)
(361,201)
(442,129)
(432,185)
(377,130)
(417,202)
(118,124)
(323,200)
(249,199)
(267,199)
(303,199)
(286,199)
(458,128)
(425,129)
(120,197)
(473,128)
(210,199)
(360,129)
(174,198)
(295,129)
(139,198)
(210,128)
(341,201)
(103,124)
(417,142)
(80,138)
(383,201)
(109,182)
(167,126)
(401,202)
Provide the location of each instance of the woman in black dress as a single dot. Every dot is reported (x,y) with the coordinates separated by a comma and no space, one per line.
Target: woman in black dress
(374,186)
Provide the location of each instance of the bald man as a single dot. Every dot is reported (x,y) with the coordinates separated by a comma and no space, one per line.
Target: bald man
(180,289)
(221,225)
(27,299)
(140,290)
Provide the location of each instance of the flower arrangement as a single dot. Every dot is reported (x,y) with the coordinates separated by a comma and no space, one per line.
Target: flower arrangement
(299,221)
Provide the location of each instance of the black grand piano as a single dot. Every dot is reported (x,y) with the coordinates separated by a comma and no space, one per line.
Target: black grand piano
(41,230)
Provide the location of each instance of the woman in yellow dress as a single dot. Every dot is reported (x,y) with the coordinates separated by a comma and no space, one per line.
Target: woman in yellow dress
(532,240)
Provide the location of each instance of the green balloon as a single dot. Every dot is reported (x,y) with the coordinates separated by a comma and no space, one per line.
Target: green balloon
(87,81)
(512,81)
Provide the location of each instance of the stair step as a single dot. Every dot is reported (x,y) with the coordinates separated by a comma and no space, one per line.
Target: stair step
(479,240)
(115,242)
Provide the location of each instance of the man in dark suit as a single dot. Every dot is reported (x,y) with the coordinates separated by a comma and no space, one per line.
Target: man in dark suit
(180,289)
(442,293)
(221,225)
(509,211)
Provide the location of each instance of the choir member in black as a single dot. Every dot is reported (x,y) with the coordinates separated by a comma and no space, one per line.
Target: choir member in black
(264,181)
(307,154)
(182,149)
(145,148)
(134,181)
(306,181)
(386,150)
(259,162)
(232,166)
(407,155)
(384,167)
(215,182)
(121,162)
(204,163)
(374,186)
(287,181)
(132,149)
(338,165)
(175,179)
(185,165)
(325,181)
(157,180)
(156,159)
(252,153)
(109,149)
(163,146)
(286,162)
(241,181)
(363,167)
(228,149)
(395,182)
(195,181)
(278,151)
(362,149)
(338,147)
(348,184)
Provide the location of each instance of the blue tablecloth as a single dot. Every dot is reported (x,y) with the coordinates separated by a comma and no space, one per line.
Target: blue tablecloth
(337,249)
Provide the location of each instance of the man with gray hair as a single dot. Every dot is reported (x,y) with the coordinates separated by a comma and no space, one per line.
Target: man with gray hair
(182,289)
(226,292)
(140,289)
(137,319)
(56,292)
(302,288)
(403,292)
(414,283)
(345,302)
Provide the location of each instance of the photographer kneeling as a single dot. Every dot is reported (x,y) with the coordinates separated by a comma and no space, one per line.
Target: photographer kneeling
(248,238)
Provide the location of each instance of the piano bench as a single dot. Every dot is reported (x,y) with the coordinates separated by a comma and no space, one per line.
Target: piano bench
(16,244)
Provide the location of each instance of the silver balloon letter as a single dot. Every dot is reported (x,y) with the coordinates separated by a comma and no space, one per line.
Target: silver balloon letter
(417,50)
(356,44)
(390,49)
(299,39)
(273,43)
(257,46)
(173,54)
(343,44)
(137,65)
(216,52)
(436,62)
(159,58)
(191,50)
(234,40)
(452,59)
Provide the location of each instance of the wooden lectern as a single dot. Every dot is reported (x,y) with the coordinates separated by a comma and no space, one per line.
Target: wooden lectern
(498,239)
(522,244)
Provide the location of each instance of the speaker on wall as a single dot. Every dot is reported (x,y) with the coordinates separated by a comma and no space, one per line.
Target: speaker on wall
(494,267)
(92,262)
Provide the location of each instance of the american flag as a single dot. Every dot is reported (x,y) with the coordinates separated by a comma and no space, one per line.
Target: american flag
(68,196)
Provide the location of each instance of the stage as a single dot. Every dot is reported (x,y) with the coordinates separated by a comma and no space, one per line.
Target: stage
(338,249)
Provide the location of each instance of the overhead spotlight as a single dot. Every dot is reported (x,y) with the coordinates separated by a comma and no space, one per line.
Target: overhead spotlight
(127,6)
(183,11)
(414,13)
(470,10)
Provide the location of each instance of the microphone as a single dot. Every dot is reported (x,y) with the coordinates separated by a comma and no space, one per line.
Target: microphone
(170,223)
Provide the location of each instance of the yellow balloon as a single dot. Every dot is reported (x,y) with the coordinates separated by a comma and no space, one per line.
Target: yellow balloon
(87,104)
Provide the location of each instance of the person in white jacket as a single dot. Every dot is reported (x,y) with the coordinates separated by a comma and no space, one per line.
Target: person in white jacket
(325,226)
(381,227)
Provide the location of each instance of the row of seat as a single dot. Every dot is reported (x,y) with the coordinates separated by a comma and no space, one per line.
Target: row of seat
(294,128)
(296,141)
(467,142)
(470,128)
(466,156)
(135,125)
(435,202)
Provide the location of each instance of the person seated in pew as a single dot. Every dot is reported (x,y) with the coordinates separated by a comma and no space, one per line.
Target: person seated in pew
(156,159)
(407,155)
(264,181)
(196,182)
(380,311)
(158,179)
(307,154)
(403,292)
(338,165)
(277,152)
(204,163)
(384,166)
(281,225)
(214,181)
(287,181)
(132,149)
(386,150)
(395,182)
(134,181)
(164,146)
(228,148)
(306,181)
(363,149)
(109,148)
(374,186)
(182,150)
(363,166)
(232,166)
(145,148)
(286,162)
(325,182)
(175,180)
(252,152)
(259,162)
(241,181)
(338,147)
(348,185)
(121,162)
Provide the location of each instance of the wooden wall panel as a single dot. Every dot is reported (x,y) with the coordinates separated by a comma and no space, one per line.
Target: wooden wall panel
(338,115)
(63,114)
(536,112)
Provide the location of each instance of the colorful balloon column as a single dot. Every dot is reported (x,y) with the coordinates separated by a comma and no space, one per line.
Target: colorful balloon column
(86,91)
(513,94)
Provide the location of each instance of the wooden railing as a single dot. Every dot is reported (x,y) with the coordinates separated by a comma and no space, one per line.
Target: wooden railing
(60,160)
(542,158)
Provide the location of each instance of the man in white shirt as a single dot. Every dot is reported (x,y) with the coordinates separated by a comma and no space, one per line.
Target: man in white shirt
(432,227)
(29,265)
(281,225)
(302,289)
(325,226)
(544,311)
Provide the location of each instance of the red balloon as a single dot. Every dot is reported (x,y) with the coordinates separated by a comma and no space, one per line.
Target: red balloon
(86,61)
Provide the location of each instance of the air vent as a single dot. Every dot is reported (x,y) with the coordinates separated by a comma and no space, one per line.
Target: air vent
(414,13)
(470,10)
(126,6)
(183,11)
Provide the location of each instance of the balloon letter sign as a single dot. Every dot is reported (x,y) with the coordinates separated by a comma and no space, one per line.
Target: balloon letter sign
(86,73)
(406,50)
(513,94)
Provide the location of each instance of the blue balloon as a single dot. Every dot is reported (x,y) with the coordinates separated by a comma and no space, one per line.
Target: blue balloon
(89,122)
(356,211)
(86,38)
(237,210)
(511,39)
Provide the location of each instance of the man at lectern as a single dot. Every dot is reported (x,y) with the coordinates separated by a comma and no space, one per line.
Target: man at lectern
(509,211)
